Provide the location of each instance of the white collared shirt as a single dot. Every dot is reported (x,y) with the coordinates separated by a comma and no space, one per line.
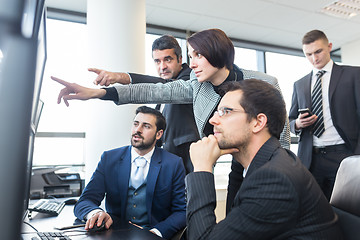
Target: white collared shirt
(331,135)
(245,170)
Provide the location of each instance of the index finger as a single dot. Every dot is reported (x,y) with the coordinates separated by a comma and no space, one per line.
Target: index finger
(63,82)
(228,151)
(101,218)
(95,70)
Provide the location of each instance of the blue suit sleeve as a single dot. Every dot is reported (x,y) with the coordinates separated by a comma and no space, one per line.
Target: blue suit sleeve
(94,192)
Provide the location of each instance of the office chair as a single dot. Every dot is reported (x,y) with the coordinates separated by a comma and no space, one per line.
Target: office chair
(180,235)
(345,198)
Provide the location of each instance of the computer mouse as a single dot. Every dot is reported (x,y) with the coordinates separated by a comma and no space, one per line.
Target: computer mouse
(95,228)
(70,201)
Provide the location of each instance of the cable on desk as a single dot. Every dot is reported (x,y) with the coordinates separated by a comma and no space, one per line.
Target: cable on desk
(75,230)
(30,226)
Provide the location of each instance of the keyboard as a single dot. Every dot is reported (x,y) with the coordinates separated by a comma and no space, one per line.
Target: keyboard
(51,236)
(48,206)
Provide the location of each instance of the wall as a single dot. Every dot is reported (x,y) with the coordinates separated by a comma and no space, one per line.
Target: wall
(350,53)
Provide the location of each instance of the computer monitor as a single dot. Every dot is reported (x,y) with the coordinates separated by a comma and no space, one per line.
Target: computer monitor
(36,114)
(19,94)
(38,30)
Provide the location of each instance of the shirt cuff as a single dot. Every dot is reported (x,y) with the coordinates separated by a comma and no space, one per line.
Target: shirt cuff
(90,214)
(129,77)
(157,232)
(111,94)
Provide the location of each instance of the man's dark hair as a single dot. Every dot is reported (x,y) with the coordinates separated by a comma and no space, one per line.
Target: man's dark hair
(160,120)
(167,42)
(261,97)
(215,46)
(312,36)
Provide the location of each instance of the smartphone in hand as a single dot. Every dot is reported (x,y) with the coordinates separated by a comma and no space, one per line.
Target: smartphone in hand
(305,110)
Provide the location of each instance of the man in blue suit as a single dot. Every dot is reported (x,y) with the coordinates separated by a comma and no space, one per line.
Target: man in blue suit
(156,203)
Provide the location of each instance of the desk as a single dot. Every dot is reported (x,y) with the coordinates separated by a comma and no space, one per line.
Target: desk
(45,223)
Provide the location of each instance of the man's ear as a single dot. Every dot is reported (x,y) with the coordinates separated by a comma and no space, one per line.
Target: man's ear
(159,134)
(259,123)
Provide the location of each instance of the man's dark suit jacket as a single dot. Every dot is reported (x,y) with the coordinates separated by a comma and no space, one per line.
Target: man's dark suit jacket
(344,99)
(165,189)
(278,199)
(181,127)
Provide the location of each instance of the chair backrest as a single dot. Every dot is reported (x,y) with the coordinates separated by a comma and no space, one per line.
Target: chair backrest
(180,235)
(345,197)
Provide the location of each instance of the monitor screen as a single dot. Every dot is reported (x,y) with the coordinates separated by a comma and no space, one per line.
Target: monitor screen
(39,32)
(18,67)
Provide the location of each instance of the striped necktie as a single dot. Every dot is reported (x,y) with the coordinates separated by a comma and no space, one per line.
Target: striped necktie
(317,106)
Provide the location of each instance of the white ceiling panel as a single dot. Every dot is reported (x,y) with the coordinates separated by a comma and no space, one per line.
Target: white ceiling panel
(289,39)
(205,22)
(277,22)
(249,32)
(308,5)
(171,18)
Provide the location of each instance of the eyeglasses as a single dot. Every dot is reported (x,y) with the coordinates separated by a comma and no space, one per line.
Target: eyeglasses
(226,111)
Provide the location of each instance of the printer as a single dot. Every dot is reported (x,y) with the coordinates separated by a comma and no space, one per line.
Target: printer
(46,182)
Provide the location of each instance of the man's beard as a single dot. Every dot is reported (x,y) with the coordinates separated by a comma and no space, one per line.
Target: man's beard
(141,145)
(240,144)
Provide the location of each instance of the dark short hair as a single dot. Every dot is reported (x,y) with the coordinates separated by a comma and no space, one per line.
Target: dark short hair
(261,97)
(160,120)
(314,35)
(167,42)
(215,46)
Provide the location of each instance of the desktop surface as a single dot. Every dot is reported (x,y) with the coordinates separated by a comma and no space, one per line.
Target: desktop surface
(45,223)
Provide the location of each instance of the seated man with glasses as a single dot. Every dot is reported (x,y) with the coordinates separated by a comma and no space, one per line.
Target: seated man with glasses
(278,198)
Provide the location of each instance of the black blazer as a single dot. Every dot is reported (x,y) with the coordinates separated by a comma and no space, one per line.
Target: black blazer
(181,127)
(344,99)
(278,199)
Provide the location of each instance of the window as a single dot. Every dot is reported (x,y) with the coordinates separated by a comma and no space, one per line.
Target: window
(245,58)
(287,69)
(60,139)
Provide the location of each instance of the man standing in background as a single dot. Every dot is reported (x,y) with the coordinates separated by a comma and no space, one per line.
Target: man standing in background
(181,130)
(332,93)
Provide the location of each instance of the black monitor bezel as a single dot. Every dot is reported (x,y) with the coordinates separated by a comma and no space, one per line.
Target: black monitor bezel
(39,35)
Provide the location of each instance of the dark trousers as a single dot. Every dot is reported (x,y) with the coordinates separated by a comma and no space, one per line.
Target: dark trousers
(325,163)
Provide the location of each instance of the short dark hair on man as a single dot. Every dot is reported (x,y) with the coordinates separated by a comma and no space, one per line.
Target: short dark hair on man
(160,120)
(215,46)
(312,36)
(167,42)
(261,97)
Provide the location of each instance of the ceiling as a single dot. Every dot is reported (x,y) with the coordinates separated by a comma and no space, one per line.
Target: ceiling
(276,22)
